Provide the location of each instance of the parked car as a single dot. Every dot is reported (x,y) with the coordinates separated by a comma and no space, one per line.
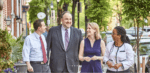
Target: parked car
(108,38)
(146,34)
(144,48)
(146,29)
(135,28)
(133,32)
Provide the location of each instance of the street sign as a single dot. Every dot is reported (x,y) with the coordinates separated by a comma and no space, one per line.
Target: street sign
(41,15)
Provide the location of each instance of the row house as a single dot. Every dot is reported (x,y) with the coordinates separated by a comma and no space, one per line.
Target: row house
(13,11)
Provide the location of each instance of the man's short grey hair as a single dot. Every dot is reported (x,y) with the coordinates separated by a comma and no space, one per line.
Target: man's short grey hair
(65,13)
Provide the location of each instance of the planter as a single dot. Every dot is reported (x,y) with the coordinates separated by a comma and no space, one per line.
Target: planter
(21,67)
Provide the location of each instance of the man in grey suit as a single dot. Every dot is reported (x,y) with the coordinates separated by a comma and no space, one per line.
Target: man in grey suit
(64,41)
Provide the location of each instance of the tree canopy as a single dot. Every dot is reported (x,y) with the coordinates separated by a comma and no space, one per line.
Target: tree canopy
(98,11)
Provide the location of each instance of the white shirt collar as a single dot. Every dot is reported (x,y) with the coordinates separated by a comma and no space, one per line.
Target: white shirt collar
(36,35)
(63,28)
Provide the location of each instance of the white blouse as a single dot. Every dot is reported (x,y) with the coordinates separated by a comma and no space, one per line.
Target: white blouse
(123,54)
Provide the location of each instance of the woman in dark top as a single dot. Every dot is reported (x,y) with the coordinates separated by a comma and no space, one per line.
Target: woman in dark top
(92,50)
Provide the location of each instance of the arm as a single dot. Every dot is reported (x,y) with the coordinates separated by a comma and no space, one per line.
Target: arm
(102,49)
(81,51)
(80,33)
(130,58)
(106,57)
(26,53)
(48,40)
(106,54)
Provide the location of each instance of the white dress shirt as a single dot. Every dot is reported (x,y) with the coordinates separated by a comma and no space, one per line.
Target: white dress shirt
(63,34)
(123,54)
(32,50)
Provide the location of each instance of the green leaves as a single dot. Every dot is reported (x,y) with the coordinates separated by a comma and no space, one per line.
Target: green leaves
(37,6)
(5,50)
(97,11)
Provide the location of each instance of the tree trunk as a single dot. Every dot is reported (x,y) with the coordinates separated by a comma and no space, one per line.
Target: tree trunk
(78,15)
(59,15)
(86,20)
(73,12)
(65,7)
(46,12)
(138,46)
(120,17)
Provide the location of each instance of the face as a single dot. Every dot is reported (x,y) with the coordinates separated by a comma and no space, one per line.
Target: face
(67,20)
(115,35)
(90,30)
(42,28)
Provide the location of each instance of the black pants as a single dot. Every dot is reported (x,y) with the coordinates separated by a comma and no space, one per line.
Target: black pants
(40,68)
(126,71)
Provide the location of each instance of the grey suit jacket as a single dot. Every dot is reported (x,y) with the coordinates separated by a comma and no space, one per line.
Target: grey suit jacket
(59,56)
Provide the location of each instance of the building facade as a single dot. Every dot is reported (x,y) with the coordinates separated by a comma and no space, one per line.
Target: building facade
(13,10)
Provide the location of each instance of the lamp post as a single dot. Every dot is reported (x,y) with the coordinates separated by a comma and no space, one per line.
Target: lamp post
(52,12)
(52,5)
(24,15)
(18,19)
(48,21)
(8,20)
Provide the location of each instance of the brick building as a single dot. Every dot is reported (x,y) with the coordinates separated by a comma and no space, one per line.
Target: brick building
(13,9)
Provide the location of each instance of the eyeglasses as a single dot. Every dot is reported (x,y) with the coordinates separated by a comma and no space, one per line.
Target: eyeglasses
(113,34)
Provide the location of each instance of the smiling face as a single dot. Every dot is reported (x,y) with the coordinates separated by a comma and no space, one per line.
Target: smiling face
(90,30)
(115,35)
(67,20)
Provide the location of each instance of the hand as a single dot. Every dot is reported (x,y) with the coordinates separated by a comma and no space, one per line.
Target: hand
(88,59)
(109,64)
(94,58)
(116,66)
(30,68)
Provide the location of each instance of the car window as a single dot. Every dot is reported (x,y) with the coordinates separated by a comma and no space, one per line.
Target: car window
(148,30)
(144,49)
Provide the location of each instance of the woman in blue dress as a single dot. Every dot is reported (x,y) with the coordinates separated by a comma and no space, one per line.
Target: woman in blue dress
(92,50)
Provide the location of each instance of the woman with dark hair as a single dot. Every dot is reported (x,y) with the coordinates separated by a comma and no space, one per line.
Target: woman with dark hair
(119,55)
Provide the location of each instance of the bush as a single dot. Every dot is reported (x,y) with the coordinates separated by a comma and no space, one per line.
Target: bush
(5,51)
(10,51)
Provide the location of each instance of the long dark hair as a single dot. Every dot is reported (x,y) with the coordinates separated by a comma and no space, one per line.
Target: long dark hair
(121,31)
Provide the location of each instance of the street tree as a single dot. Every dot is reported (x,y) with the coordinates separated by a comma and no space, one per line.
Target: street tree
(98,11)
(37,6)
(136,10)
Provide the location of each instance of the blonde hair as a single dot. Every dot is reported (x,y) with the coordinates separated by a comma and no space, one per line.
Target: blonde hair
(96,27)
